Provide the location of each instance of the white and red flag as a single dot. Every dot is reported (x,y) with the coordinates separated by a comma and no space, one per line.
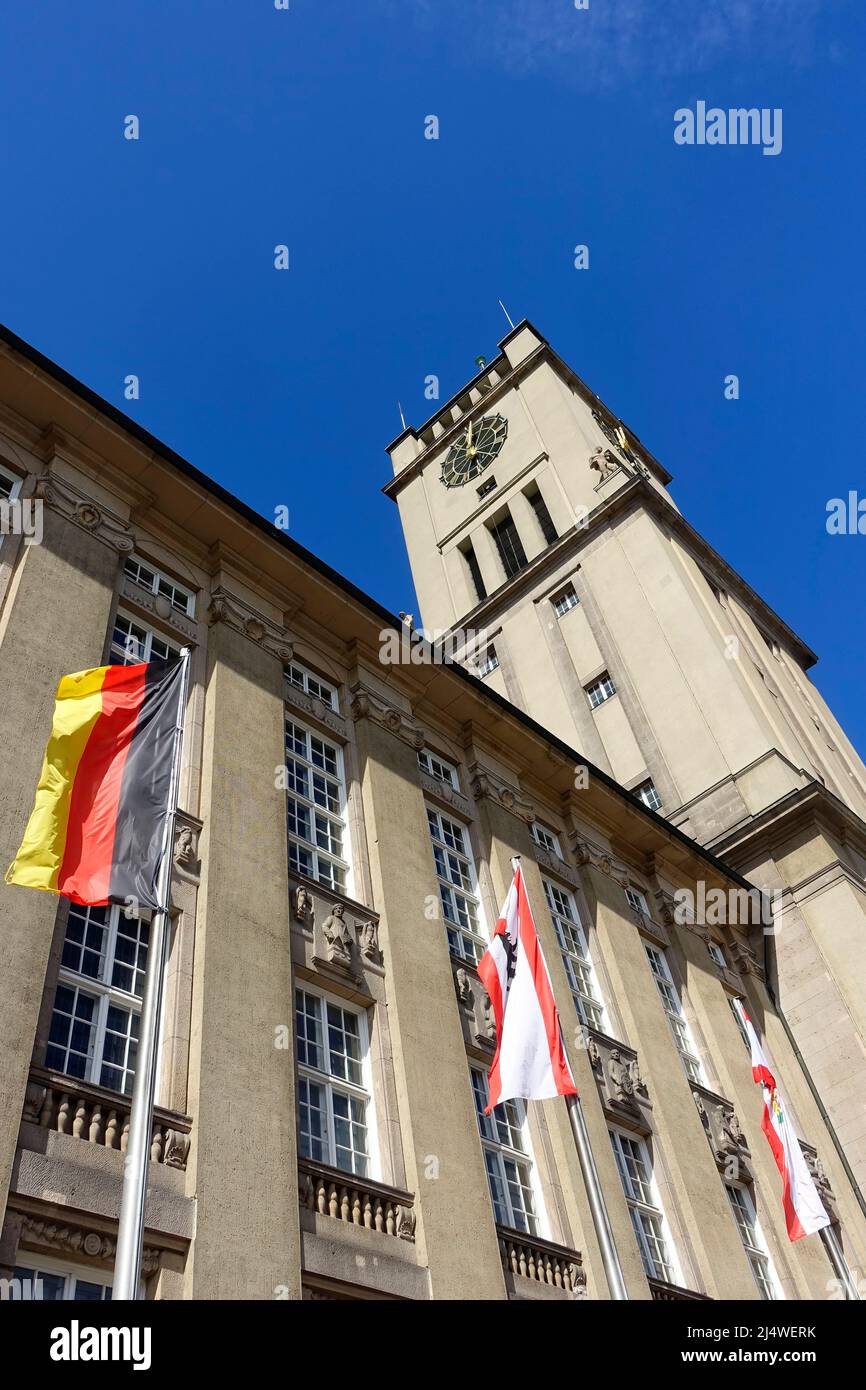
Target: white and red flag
(804,1211)
(530,1059)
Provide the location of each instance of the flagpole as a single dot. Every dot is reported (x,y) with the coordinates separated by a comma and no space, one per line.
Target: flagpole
(837,1260)
(592,1183)
(130,1230)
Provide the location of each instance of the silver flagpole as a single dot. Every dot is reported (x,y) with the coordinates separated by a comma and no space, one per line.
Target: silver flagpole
(837,1260)
(597,1206)
(130,1231)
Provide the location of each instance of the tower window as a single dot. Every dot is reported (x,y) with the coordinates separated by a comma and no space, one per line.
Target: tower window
(488,662)
(564,601)
(648,795)
(542,515)
(600,690)
(509,545)
(487,487)
(468,553)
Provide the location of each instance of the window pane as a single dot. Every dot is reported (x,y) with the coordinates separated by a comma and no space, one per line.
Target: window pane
(311,1117)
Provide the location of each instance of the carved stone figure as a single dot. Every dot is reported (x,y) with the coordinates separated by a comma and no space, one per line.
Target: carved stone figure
(368,942)
(338,940)
(463,987)
(184,849)
(603,462)
(488,1025)
(621,1078)
(303,906)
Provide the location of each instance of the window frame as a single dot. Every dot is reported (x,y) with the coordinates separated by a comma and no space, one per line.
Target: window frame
(450,780)
(540,833)
(160,576)
(331,1083)
(507,539)
(477,935)
(323,691)
(151,634)
(679,1025)
(649,786)
(32,1263)
(488,662)
(342,863)
(588,1001)
(106,995)
(514,1118)
(600,684)
(649,1207)
(559,601)
(756,1250)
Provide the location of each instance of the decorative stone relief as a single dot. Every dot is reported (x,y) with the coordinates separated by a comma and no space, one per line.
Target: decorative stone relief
(725,1137)
(589,855)
(618,1077)
(821,1180)
(186,835)
(603,462)
(486,784)
(368,942)
(303,908)
(313,706)
(62,497)
(160,606)
(441,791)
(486,1034)
(463,985)
(406,1223)
(227,608)
(78,1240)
(176,1149)
(338,938)
(546,860)
(366,705)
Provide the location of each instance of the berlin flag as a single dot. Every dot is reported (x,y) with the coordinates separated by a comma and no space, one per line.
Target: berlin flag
(804,1210)
(530,1060)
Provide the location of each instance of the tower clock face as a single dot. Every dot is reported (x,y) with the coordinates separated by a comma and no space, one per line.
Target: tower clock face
(475,450)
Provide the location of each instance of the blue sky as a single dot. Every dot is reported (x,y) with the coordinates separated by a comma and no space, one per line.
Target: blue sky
(306,128)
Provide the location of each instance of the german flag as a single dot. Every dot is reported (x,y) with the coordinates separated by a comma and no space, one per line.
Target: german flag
(95,833)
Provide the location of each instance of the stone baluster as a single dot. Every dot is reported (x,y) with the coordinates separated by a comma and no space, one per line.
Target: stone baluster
(46,1114)
(63,1113)
(111,1130)
(95,1131)
(80,1121)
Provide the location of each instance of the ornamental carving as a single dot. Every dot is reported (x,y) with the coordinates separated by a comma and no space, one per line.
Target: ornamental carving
(65,499)
(589,855)
(229,609)
(724,1134)
(486,784)
(618,1076)
(368,942)
(603,463)
(338,938)
(303,908)
(463,986)
(78,1240)
(366,705)
(186,846)
(176,1149)
(821,1180)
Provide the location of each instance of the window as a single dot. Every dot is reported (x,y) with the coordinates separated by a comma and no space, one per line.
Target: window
(10,485)
(509,545)
(564,601)
(133,642)
(717,954)
(56,1284)
(647,793)
(488,662)
(676,1018)
(575,956)
(600,690)
(468,553)
(94,1023)
(734,1005)
(637,902)
(542,515)
(458,887)
(546,839)
(316,808)
(753,1241)
(506,1158)
(155,582)
(438,768)
(647,1218)
(333,1090)
(487,487)
(304,680)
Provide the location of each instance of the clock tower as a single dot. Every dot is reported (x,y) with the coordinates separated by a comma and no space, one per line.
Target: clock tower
(536,518)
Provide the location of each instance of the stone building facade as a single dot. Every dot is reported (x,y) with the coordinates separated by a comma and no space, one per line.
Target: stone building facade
(347,828)
(601,612)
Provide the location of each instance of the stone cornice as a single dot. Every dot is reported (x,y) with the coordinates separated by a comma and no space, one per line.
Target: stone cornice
(68,501)
(242,617)
(367,705)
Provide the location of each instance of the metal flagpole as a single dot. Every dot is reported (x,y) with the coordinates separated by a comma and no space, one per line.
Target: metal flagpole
(597,1206)
(837,1260)
(130,1231)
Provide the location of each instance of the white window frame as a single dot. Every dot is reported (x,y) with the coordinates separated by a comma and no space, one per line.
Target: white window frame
(717,954)
(438,768)
(311,684)
(574,949)
(157,578)
(564,600)
(637,901)
(754,1244)
(646,1202)
(27,1261)
(546,838)
(649,787)
(331,1083)
(513,1116)
(106,996)
(340,879)
(488,662)
(465,942)
(599,691)
(16,480)
(123,655)
(672,1004)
